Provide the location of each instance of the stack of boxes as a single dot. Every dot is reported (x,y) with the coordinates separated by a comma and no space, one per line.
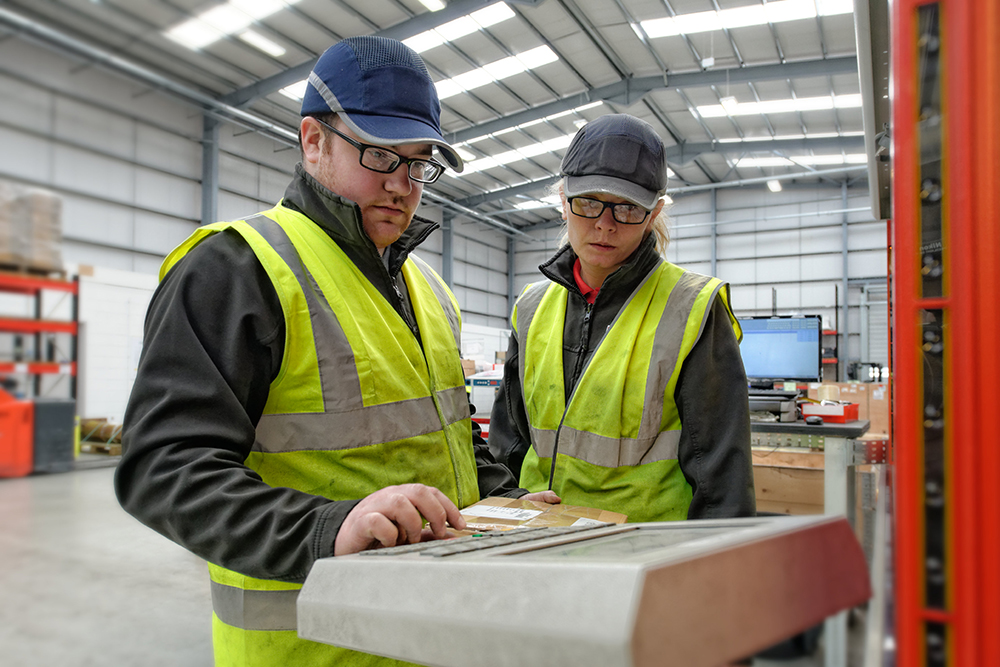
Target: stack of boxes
(872,399)
(30,228)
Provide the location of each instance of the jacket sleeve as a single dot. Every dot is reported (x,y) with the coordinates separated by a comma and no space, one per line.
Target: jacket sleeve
(214,339)
(495,478)
(712,401)
(510,436)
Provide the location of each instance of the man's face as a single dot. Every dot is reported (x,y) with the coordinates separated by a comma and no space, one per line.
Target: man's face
(387,201)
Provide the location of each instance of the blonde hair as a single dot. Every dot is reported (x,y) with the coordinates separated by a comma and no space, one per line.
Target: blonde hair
(659,228)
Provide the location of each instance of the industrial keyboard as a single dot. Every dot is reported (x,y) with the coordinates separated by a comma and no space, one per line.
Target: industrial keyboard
(484,540)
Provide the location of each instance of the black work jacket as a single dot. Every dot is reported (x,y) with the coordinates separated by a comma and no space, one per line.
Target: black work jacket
(711,392)
(213,343)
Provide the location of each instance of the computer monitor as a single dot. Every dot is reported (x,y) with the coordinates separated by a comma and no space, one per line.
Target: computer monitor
(782,348)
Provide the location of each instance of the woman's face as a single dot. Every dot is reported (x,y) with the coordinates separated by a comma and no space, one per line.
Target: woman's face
(603,244)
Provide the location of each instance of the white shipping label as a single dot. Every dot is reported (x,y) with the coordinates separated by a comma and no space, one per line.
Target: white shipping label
(587,522)
(510,513)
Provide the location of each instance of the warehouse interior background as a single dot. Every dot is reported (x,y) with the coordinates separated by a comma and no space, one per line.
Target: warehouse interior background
(143,119)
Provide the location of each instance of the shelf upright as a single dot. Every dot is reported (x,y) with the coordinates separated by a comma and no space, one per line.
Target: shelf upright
(945,253)
(32,286)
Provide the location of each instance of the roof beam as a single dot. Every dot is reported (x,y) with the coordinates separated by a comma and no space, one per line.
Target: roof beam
(628,91)
(400,31)
(683,153)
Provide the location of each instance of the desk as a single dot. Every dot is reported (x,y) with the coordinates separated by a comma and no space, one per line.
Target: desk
(838,456)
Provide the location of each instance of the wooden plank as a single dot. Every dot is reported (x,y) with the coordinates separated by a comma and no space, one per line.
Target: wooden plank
(792,490)
(787,457)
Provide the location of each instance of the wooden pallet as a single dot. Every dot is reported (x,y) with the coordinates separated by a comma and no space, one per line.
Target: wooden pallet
(32,271)
(111,449)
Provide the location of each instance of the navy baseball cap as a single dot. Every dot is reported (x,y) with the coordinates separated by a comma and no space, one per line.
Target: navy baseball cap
(619,155)
(382,90)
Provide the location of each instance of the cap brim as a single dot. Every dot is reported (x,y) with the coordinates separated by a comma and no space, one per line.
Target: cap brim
(609,185)
(394,131)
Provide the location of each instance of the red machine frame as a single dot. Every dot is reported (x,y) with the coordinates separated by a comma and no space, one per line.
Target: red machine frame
(965,629)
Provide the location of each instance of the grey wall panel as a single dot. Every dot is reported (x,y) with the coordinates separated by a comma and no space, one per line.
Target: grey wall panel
(24,157)
(156,232)
(87,125)
(80,171)
(168,151)
(98,220)
(171,195)
(236,207)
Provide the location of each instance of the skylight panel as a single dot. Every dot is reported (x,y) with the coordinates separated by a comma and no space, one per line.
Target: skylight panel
(495,71)
(466,25)
(296,91)
(262,43)
(780,11)
(433,5)
(538,56)
(230,18)
(553,201)
(699,22)
(779,106)
(494,14)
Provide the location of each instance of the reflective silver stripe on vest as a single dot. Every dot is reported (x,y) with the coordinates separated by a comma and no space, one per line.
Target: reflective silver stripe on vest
(442,297)
(337,370)
(667,346)
(607,452)
(255,610)
(527,305)
(366,426)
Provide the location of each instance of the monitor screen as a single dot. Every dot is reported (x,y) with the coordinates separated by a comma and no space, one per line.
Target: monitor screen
(782,348)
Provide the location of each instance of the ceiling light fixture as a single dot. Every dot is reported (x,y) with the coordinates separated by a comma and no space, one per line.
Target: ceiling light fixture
(432,5)
(230,18)
(495,71)
(729,105)
(780,106)
(741,17)
(262,43)
(460,27)
(774,185)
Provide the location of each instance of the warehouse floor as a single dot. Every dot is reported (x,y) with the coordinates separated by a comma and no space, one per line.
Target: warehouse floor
(85,584)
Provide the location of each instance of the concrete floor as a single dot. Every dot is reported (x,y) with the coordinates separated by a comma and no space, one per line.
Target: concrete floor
(83,583)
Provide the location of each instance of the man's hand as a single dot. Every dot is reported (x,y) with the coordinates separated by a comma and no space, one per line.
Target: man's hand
(543,497)
(394,515)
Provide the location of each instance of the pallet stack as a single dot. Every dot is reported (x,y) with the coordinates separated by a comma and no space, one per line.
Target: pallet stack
(30,229)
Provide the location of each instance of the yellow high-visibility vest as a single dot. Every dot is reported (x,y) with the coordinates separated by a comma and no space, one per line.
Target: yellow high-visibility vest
(358,404)
(616,436)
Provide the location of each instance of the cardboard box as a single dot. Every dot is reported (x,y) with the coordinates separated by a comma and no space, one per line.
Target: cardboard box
(468,367)
(878,407)
(510,513)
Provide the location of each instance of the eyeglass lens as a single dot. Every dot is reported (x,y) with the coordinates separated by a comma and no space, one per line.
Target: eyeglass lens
(586,207)
(379,159)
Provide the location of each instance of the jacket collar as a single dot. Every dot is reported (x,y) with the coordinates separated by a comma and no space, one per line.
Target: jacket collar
(559,269)
(341,219)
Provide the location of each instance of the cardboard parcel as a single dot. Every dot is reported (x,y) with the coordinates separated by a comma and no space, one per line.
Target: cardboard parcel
(510,513)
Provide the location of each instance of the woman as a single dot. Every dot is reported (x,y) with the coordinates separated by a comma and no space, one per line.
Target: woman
(624,388)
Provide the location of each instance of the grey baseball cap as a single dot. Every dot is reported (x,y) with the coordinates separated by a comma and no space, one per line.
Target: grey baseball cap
(619,155)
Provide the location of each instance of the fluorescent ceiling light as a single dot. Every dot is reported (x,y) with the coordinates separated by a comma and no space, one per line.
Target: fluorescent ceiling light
(667,199)
(296,91)
(778,106)
(729,103)
(262,43)
(467,156)
(460,27)
(774,186)
(495,71)
(741,17)
(227,19)
(802,160)
(433,5)
(554,201)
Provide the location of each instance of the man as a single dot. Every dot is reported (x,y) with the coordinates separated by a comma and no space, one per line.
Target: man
(300,393)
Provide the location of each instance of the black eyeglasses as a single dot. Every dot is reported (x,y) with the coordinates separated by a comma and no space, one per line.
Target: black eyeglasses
(627,214)
(385,161)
